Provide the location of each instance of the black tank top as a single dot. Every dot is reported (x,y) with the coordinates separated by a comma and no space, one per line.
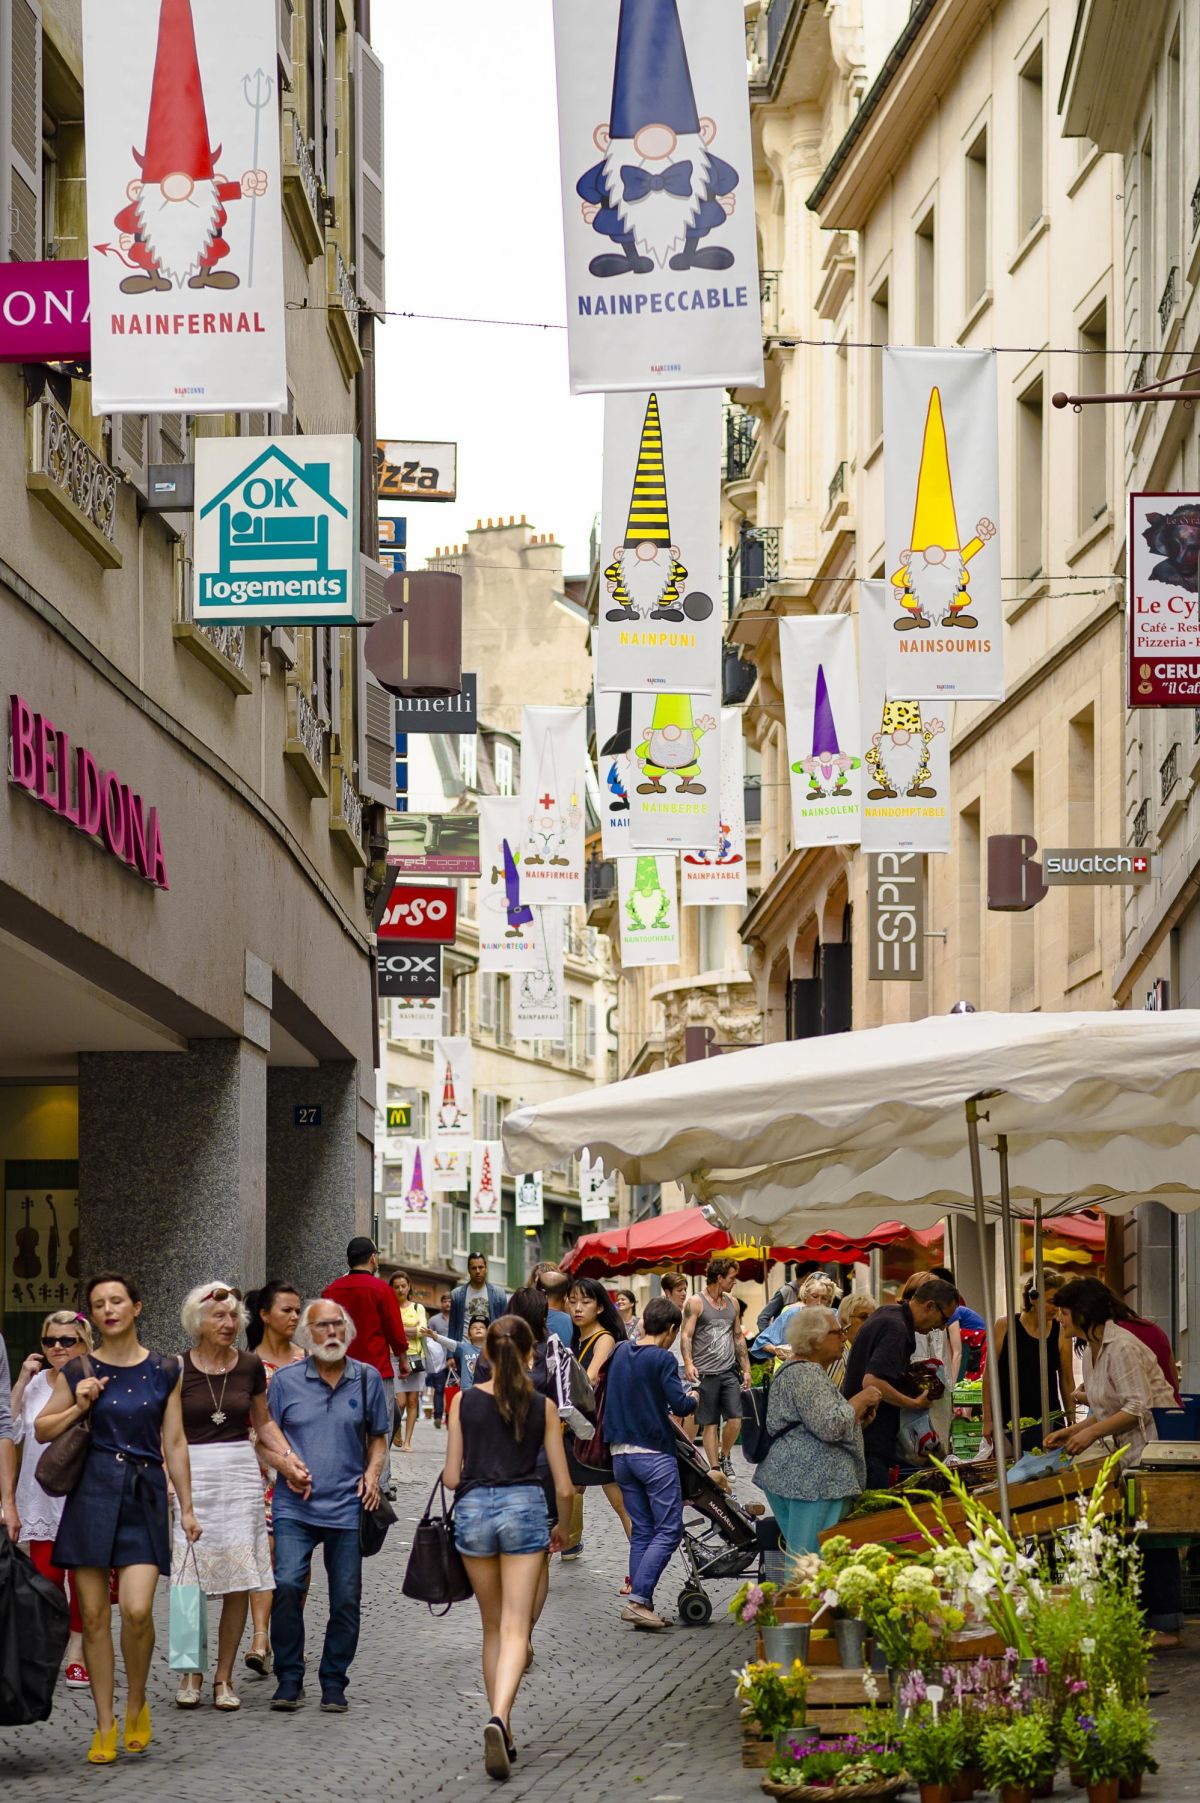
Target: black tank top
(492,1454)
(1029,1382)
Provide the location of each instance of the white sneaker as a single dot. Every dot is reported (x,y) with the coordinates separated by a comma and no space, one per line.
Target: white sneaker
(727,1465)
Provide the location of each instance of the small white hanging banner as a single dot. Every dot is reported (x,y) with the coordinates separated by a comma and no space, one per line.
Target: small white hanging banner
(531,1209)
(595,1191)
(448,1168)
(553,789)
(821,715)
(486,1155)
(507,939)
(906,780)
(539,1002)
(451,1101)
(649,910)
(713,878)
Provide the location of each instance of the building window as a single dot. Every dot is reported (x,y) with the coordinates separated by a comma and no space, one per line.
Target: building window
(445,1230)
(589,1033)
(502,766)
(489,1116)
(1172,167)
(970,846)
(926,281)
(881,334)
(402,773)
(468,759)
(462,1231)
(710,939)
(977,219)
(1022,938)
(497,1257)
(1031,133)
(1092,422)
(1029,482)
(1081,828)
(487,1001)
(503,1011)
(1146,238)
(462,1004)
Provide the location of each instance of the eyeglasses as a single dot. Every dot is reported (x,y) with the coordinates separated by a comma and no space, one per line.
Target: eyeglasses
(60,1339)
(222,1295)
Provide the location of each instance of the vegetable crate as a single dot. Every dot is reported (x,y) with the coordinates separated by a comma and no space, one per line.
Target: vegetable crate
(1037,1508)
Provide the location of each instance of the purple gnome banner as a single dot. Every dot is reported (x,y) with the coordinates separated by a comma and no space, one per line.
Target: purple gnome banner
(821,711)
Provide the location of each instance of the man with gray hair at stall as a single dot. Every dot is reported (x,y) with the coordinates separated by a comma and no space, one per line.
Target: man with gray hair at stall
(323,1406)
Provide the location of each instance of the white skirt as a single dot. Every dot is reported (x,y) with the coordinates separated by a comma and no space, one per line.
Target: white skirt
(233,1552)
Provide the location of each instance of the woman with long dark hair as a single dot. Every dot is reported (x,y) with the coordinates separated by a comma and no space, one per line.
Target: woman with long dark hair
(274,1313)
(497,1429)
(598,1330)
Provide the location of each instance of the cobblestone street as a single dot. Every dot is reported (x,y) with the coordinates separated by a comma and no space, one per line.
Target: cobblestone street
(605,1710)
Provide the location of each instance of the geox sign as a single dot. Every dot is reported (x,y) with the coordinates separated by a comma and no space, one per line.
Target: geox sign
(410,971)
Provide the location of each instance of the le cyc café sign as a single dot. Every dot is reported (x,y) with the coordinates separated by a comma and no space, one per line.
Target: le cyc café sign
(72,784)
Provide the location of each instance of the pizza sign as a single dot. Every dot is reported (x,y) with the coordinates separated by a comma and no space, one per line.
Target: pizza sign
(426,913)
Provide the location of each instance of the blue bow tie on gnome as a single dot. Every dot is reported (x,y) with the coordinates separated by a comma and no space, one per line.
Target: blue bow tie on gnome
(638,183)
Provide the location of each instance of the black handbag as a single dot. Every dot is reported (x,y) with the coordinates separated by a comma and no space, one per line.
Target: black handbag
(34,1628)
(61,1465)
(436,1574)
(373,1524)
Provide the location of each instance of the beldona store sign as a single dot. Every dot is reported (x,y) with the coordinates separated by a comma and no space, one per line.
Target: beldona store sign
(72,784)
(45,312)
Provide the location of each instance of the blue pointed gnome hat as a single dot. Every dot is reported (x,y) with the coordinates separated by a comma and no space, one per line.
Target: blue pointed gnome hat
(652,84)
(824,731)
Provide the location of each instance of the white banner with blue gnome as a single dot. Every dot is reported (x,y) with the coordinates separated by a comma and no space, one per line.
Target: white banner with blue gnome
(906,765)
(649,910)
(675,801)
(660,617)
(823,726)
(658,194)
(941,491)
(615,769)
(553,796)
(714,878)
(507,936)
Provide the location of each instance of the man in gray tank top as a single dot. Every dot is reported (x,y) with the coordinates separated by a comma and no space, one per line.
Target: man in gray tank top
(716,1359)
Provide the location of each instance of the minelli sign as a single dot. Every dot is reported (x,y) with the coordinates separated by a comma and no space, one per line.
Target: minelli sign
(45,312)
(1164,602)
(72,783)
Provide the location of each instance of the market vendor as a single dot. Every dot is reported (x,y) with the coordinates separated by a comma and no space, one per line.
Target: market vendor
(882,1357)
(1124,1385)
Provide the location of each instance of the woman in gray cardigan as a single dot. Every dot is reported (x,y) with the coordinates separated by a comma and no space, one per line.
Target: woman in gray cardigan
(815,1466)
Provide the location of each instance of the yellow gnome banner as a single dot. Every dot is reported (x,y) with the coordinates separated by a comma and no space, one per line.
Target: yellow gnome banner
(943,639)
(906,746)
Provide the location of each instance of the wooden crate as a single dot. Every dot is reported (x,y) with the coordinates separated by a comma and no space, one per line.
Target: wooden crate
(1167,1501)
(758,1749)
(1037,1508)
(835,1705)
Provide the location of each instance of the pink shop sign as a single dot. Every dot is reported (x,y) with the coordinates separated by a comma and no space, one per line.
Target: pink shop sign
(45,312)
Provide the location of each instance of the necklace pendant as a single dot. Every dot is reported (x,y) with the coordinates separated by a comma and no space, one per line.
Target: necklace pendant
(218,1416)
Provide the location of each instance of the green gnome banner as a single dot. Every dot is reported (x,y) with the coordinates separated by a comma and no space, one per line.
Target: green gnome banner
(649,910)
(675,799)
(821,713)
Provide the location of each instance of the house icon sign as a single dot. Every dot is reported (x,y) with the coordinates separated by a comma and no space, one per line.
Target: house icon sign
(276,540)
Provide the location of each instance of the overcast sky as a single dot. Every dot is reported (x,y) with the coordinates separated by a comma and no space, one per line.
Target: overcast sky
(475,228)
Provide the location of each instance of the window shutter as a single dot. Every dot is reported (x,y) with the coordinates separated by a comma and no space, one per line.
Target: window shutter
(376,717)
(369,252)
(130,439)
(20,130)
(374,601)
(487,1000)
(172,438)
(285,13)
(589,1050)
(331,181)
(316,79)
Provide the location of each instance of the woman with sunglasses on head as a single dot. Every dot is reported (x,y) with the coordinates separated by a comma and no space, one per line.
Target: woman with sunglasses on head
(597,1331)
(116,1516)
(224,1398)
(274,1313)
(65,1335)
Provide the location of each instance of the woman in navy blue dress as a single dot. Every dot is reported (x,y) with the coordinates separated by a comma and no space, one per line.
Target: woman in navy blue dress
(116,1516)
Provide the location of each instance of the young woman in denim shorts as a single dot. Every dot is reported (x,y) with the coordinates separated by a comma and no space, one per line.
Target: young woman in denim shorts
(497,1429)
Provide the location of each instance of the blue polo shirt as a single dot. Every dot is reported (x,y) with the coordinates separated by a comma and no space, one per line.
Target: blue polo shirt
(323,1424)
(559,1322)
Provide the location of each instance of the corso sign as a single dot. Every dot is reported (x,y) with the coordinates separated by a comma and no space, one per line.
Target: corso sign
(276,531)
(421,913)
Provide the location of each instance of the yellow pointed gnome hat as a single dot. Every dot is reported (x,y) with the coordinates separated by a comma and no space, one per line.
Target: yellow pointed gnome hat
(934,522)
(649,522)
(672,710)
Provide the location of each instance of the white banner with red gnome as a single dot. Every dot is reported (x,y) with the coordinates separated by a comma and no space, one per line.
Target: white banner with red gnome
(676,796)
(906,766)
(712,878)
(615,769)
(451,1097)
(821,716)
(486,1166)
(660,622)
(658,194)
(941,489)
(185,241)
(649,910)
(553,791)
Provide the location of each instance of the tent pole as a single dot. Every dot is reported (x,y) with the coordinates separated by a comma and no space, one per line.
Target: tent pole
(1010,1297)
(989,1301)
(1039,1270)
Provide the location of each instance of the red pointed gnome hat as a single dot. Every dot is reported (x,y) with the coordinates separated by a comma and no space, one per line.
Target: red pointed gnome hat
(177,140)
(449,1099)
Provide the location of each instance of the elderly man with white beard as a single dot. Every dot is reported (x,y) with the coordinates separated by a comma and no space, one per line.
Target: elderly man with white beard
(326,1407)
(657,190)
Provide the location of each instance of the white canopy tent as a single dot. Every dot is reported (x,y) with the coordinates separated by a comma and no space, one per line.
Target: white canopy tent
(1086,1110)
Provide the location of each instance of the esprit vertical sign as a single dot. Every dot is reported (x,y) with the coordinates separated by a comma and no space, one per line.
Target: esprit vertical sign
(1164,605)
(72,784)
(896,917)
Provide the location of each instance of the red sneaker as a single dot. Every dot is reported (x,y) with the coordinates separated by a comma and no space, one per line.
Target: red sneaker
(76,1677)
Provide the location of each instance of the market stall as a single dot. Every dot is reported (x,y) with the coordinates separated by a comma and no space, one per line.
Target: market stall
(688,1238)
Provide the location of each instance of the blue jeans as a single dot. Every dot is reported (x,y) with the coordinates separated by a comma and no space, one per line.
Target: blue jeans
(295,1544)
(650,1486)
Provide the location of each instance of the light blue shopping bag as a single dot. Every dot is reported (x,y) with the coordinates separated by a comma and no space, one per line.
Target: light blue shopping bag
(188,1640)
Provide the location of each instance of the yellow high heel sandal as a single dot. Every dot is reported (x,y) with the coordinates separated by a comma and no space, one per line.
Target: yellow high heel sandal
(104,1747)
(138,1732)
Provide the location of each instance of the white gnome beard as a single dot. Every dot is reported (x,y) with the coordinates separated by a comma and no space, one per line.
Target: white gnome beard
(934,585)
(178,232)
(670,754)
(645,580)
(901,762)
(660,222)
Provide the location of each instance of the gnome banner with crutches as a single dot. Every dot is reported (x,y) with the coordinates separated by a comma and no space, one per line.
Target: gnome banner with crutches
(658,194)
(539,998)
(676,796)
(553,778)
(185,236)
(821,714)
(944,639)
(906,764)
(660,619)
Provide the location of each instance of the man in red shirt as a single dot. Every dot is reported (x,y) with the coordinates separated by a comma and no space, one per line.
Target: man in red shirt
(371,1305)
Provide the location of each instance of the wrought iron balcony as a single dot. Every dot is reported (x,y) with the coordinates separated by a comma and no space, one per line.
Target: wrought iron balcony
(599,880)
(1168,774)
(343,311)
(1196,726)
(837,484)
(76,484)
(779,13)
(304,746)
(1141,824)
(345,809)
(229,641)
(741,436)
(303,201)
(753,564)
(1166,306)
(738,676)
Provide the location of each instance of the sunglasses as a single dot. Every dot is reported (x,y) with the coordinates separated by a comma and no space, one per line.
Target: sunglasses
(60,1339)
(222,1295)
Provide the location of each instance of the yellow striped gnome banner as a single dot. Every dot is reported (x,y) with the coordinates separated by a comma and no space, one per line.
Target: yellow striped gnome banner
(660,618)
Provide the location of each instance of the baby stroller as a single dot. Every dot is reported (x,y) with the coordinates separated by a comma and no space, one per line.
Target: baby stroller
(727,1544)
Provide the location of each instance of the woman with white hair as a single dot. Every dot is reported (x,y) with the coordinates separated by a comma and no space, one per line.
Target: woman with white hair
(225,1397)
(852,1311)
(815,1464)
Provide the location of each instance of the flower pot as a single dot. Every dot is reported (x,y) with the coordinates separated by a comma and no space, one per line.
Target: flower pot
(785,1735)
(1104,1790)
(1132,1787)
(1044,1787)
(876,1657)
(935,1793)
(964,1786)
(786,1642)
(851,1637)
(1015,1793)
